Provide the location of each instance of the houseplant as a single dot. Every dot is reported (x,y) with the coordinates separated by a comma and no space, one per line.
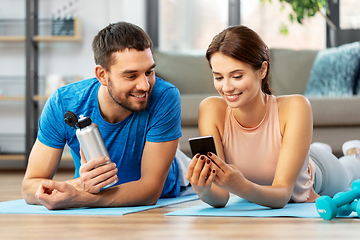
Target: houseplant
(305,9)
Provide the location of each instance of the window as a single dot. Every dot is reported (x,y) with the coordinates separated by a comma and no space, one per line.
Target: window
(349,14)
(267,20)
(188,25)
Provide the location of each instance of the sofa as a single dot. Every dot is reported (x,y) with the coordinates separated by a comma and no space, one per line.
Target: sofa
(336,118)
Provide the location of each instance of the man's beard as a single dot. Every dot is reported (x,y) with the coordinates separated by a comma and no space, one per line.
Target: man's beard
(126,103)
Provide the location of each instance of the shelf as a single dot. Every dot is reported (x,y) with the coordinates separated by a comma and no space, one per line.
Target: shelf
(12,38)
(12,98)
(76,37)
(50,38)
(40,98)
(22,98)
(37,98)
(12,157)
(12,88)
(21,157)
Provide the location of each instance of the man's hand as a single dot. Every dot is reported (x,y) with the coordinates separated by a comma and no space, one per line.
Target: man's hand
(56,195)
(96,174)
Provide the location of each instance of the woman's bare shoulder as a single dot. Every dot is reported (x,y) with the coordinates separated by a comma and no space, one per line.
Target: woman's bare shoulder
(294,109)
(212,110)
(213,103)
(293,102)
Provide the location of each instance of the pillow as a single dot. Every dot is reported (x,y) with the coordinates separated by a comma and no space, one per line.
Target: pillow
(335,71)
(357,82)
(191,74)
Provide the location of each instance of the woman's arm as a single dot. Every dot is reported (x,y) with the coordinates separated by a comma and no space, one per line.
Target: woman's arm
(210,122)
(296,126)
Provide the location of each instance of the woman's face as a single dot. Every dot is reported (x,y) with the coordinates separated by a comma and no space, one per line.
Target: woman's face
(237,82)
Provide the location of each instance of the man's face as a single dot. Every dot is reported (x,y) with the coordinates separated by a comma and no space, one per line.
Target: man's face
(131,78)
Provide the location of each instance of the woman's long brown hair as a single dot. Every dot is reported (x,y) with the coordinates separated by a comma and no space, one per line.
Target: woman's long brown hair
(245,45)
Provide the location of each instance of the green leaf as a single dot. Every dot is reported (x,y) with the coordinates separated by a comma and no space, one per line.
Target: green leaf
(291,16)
(282,8)
(284,29)
(301,9)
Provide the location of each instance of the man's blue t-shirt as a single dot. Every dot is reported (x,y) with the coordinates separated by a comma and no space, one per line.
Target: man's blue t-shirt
(124,140)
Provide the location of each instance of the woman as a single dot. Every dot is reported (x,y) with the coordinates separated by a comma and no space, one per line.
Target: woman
(262,141)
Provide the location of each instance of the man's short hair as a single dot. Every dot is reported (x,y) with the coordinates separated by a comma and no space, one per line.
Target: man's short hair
(117,37)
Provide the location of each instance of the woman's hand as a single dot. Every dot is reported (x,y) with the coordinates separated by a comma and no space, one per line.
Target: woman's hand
(228,177)
(200,174)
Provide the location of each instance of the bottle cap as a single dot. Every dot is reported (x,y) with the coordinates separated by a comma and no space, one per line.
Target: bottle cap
(83,122)
(70,119)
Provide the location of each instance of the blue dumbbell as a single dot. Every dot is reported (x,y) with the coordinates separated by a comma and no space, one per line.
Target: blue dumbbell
(343,210)
(348,208)
(327,207)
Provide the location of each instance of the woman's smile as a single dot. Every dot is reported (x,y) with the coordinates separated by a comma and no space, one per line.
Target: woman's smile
(232,97)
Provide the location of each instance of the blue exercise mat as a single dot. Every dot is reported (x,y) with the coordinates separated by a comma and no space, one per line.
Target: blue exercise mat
(239,207)
(20,207)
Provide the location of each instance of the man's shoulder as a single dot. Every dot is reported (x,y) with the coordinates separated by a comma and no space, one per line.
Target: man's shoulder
(77,90)
(75,95)
(164,95)
(162,91)
(162,85)
(81,86)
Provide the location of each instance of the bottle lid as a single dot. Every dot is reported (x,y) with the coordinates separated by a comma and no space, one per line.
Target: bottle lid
(70,119)
(83,122)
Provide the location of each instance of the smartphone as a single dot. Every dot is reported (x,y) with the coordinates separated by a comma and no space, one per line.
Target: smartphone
(202,145)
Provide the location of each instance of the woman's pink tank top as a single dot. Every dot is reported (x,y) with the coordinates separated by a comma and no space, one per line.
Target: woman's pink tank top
(255,151)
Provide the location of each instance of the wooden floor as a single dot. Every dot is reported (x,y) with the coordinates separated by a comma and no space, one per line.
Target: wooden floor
(152,224)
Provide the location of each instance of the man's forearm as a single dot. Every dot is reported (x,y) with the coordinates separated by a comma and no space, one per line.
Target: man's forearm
(29,188)
(76,183)
(141,192)
(125,195)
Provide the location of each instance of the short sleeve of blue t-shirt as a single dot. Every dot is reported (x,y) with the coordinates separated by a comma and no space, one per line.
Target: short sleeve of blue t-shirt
(165,111)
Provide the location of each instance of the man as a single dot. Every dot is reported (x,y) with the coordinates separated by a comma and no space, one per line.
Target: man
(138,116)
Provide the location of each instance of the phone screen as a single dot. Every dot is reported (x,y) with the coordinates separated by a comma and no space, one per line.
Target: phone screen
(202,145)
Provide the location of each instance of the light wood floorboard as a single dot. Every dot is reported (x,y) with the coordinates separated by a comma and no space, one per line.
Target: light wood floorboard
(152,224)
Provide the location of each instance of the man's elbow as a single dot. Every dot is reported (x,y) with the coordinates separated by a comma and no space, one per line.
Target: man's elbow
(152,198)
(153,195)
(27,195)
(151,202)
